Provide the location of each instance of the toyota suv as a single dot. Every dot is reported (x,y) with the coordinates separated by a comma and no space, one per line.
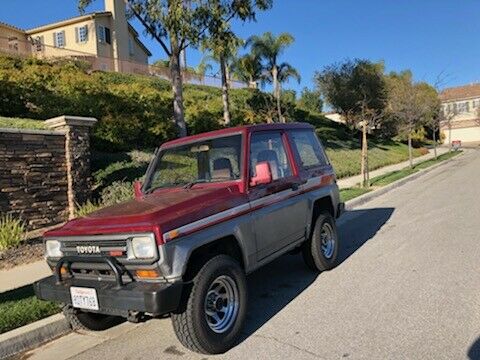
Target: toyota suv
(213,208)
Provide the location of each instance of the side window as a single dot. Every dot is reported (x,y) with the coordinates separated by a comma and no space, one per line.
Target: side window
(308,148)
(269,147)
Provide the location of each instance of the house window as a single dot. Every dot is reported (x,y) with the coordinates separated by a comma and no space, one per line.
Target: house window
(81,34)
(131,49)
(59,39)
(104,35)
(38,43)
(462,107)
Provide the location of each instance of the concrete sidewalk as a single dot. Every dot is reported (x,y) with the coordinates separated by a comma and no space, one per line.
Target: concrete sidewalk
(23,275)
(355,180)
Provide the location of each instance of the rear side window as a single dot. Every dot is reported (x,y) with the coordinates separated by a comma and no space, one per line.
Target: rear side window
(308,148)
(269,147)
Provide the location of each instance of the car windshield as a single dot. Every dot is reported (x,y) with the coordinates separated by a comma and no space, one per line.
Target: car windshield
(204,161)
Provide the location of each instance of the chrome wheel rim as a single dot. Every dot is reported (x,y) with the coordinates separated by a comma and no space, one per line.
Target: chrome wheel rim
(221,304)
(327,239)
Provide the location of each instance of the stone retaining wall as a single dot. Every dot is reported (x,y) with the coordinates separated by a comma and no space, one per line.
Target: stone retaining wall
(43,174)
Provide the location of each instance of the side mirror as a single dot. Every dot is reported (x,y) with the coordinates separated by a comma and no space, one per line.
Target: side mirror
(264,174)
(137,188)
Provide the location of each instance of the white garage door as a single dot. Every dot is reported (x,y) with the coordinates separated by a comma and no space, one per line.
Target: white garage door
(465,135)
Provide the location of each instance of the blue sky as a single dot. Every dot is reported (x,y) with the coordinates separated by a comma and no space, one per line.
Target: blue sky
(427,36)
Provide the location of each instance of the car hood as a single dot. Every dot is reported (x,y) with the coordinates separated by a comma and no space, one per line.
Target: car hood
(158,212)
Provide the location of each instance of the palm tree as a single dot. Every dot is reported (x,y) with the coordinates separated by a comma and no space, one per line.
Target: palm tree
(249,69)
(223,50)
(269,48)
(285,73)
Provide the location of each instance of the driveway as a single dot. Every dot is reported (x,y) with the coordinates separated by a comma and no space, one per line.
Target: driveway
(408,287)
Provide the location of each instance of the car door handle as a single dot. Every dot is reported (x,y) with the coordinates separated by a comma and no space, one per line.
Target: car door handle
(295,186)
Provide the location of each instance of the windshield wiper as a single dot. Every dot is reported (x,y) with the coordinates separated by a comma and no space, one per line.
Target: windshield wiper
(198,181)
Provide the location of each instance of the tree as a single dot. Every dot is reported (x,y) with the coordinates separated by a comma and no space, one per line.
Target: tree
(433,111)
(285,73)
(356,89)
(311,100)
(223,50)
(446,116)
(411,103)
(176,26)
(269,48)
(249,69)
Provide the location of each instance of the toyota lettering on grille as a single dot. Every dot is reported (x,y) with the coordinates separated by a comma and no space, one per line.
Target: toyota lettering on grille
(88,249)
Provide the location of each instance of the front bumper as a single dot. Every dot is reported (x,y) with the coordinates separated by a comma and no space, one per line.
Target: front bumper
(152,298)
(114,298)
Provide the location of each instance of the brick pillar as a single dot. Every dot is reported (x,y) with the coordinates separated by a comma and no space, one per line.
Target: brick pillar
(77,150)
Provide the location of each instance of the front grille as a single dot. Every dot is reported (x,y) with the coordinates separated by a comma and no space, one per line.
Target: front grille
(88,248)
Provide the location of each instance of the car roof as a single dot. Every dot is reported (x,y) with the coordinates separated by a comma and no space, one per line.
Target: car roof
(237,130)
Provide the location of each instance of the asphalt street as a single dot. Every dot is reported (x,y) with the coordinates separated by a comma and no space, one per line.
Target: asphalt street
(408,287)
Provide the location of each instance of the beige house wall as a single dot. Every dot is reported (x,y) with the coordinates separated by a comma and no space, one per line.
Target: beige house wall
(465,135)
(71,46)
(461,123)
(103,49)
(7,34)
(139,54)
(115,56)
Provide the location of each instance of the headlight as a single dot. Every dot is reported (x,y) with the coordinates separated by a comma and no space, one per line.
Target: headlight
(52,249)
(142,247)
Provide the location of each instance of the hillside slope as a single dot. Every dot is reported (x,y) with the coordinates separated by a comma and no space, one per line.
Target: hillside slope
(134,112)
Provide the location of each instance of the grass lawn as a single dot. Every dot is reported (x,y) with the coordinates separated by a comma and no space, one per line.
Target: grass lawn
(350,193)
(346,161)
(386,179)
(20,307)
(18,123)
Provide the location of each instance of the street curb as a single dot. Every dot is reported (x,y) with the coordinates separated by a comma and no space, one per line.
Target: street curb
(362,199)
(32,335)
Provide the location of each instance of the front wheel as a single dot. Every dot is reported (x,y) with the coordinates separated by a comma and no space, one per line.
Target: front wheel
(213,318)
(321,250)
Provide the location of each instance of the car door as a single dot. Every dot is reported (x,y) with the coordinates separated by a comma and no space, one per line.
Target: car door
(278,211)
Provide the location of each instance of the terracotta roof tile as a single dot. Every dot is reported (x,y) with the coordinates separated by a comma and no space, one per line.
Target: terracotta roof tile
(460,92)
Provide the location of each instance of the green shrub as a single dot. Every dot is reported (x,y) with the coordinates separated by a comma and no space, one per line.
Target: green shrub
(133,111)
(12,231)
(87,208)
(17,123)
(118,192)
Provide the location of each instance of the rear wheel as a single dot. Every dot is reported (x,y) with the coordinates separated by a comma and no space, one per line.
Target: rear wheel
(321,250)
(213,318)
(81,320)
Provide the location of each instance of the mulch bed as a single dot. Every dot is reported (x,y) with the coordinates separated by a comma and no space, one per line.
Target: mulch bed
(31,250)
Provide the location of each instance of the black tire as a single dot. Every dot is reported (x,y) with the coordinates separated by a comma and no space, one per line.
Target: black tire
(191,325)
(81,320)
(312,252)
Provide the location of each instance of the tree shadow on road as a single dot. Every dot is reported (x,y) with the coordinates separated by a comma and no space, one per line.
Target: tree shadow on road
(474,351)
(274,286)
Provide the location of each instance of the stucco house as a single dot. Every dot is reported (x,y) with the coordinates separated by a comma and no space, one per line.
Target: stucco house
(462,105)
(105,39)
